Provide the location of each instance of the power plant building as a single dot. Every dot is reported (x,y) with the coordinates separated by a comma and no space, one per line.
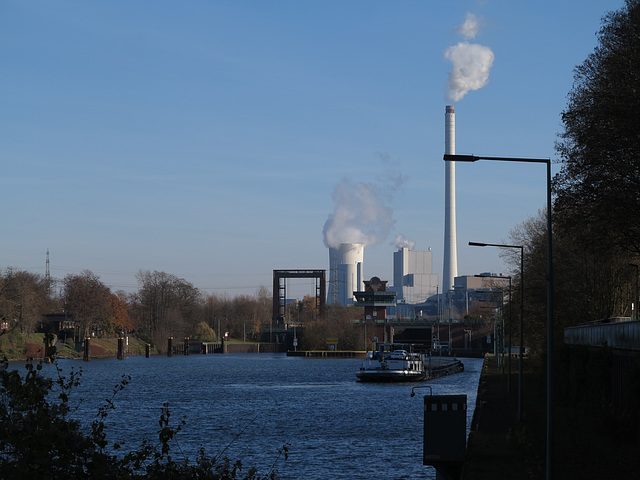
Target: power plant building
(375,299)
(413,279)
(345,273)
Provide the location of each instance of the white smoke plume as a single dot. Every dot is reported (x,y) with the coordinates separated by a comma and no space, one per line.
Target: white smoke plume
(361,215)
(402,242)
(470,62)
(470,27)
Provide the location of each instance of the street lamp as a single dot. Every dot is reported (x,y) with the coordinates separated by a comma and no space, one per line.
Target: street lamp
(476,244)
(550,415)
(635,300)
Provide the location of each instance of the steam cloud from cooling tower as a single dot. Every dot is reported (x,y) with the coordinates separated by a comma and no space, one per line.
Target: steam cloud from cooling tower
(361,215)
(470,62)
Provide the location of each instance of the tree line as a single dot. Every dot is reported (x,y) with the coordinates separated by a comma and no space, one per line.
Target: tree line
(163,306)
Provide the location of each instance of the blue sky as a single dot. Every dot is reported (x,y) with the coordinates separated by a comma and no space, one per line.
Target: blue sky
(206,138)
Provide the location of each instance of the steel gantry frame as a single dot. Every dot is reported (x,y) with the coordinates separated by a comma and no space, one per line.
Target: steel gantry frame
(280,290)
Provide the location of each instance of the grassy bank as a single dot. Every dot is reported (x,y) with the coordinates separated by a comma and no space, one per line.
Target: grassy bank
(17,346)
(103,347)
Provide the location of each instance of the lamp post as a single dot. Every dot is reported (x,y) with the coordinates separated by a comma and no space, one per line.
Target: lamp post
(550,410)
(520,350)
(635,300)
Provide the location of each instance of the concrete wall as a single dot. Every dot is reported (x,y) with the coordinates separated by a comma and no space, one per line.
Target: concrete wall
(614,333)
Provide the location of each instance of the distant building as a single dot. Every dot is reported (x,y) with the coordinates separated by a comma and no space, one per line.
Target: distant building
(413,277)
(60,321)
(487,292)
(483,281)
(375,299)
(413,281)
(480,295)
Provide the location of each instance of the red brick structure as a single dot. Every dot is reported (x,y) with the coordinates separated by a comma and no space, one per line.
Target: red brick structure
(375,299)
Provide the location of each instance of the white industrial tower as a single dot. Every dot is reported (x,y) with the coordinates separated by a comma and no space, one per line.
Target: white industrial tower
(345,273)
(450,269)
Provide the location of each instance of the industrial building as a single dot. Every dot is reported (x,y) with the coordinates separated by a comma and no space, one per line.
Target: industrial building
(345,273)
(413,277)
(375,299)
(419,292)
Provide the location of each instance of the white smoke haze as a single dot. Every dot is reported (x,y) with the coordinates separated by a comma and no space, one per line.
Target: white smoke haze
(392,176)
(470,27)
(402,242)
(361,215)
(470,62)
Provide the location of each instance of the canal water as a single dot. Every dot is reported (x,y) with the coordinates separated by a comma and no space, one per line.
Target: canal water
(253,404)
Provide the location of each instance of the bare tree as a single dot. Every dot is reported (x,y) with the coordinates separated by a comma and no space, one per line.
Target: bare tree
(88,300)
(167,306)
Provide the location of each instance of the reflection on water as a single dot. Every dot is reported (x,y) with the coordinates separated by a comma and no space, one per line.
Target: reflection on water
(255,403)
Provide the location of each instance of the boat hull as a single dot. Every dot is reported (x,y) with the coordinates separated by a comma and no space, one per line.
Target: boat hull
(390,376)
(383,373)
(399,363)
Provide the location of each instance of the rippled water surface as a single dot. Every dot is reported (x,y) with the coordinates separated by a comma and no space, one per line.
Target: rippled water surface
(253,404)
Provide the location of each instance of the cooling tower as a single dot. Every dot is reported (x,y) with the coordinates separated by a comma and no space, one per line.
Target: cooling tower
(450,269)
(345,273)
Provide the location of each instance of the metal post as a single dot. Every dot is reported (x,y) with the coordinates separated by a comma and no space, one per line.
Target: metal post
(510,342)
(550,386)
(520,353)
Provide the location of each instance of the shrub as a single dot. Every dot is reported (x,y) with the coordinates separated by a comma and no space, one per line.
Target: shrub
(39,440)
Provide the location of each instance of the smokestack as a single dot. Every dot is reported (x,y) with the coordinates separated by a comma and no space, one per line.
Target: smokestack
(450,269)
(345,273)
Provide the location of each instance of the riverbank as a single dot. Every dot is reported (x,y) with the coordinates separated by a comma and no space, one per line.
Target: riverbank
(501,447)
(16,346)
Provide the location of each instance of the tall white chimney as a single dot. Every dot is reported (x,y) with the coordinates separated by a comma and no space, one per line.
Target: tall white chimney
(450,270)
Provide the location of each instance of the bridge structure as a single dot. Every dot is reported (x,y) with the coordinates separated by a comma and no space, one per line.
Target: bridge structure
(280,291)
(465,339)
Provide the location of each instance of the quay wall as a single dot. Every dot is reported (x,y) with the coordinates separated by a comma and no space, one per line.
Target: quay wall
(602,370)
(603,382)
